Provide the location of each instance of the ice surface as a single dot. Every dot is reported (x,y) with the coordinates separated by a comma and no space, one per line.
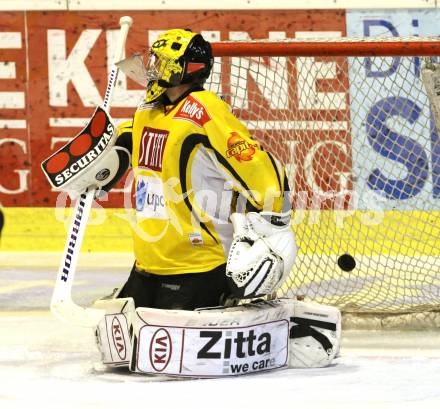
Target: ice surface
(45,363)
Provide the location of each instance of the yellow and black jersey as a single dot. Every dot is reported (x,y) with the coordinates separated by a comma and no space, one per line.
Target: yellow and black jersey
(191,162)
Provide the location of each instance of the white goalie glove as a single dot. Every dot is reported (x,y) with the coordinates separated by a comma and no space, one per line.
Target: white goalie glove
(262,254)
(102,174)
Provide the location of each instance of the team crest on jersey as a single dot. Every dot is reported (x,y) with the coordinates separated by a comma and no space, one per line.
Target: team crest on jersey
(239,148)
(153,143)
(193,110)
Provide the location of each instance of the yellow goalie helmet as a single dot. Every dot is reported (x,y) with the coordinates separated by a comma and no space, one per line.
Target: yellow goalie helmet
(176,57)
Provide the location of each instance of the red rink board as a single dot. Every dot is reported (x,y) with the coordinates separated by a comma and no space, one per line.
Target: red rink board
(45,36)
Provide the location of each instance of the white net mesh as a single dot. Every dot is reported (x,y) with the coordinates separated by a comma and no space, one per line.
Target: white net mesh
(363,156)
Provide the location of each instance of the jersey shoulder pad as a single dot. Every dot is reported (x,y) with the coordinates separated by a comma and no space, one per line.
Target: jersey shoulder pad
(125,127)
(212,101)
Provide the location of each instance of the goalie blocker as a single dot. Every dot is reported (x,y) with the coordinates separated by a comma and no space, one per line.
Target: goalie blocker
(255,337)
(90,160)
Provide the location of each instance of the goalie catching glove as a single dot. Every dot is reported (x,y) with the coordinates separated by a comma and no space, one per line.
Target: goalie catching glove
(261,255)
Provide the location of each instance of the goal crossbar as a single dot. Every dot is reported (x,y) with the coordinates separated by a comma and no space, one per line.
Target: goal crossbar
(335,47)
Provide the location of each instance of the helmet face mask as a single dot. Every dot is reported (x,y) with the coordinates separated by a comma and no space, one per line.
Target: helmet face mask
(153,68)
(176,57)
(155,71)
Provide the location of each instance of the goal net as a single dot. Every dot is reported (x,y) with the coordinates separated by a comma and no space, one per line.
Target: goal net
(351,122)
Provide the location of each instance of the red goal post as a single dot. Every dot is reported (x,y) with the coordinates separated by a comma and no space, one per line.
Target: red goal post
(350,121)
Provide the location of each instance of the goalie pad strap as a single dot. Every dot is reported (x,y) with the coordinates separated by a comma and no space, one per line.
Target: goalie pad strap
(304,329)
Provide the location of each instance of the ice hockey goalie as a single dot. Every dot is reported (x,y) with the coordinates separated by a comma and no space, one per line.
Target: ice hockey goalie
(212,227)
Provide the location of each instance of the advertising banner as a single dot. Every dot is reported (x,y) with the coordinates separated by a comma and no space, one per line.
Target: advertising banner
(207,351)
(54,67)
(53,73)
(410,179)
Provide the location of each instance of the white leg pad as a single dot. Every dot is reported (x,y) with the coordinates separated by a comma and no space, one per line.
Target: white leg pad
(113,333)
(248,338)
(315,335)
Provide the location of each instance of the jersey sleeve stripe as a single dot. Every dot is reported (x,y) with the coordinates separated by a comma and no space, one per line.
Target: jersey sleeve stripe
(272,160)
(125,136)
(188,146)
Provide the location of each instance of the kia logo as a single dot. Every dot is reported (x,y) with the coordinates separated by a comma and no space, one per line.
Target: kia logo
(160,350)
(118,339)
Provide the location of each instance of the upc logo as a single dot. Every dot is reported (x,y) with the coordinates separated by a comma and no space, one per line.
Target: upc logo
(150,200)
(141,190)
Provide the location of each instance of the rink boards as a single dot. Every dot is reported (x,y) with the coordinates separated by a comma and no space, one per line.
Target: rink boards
(399,273)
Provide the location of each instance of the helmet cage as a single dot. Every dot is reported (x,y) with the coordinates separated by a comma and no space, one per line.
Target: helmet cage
(153,67)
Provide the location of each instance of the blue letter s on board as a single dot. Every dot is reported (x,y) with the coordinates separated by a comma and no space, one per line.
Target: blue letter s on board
(396,147)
